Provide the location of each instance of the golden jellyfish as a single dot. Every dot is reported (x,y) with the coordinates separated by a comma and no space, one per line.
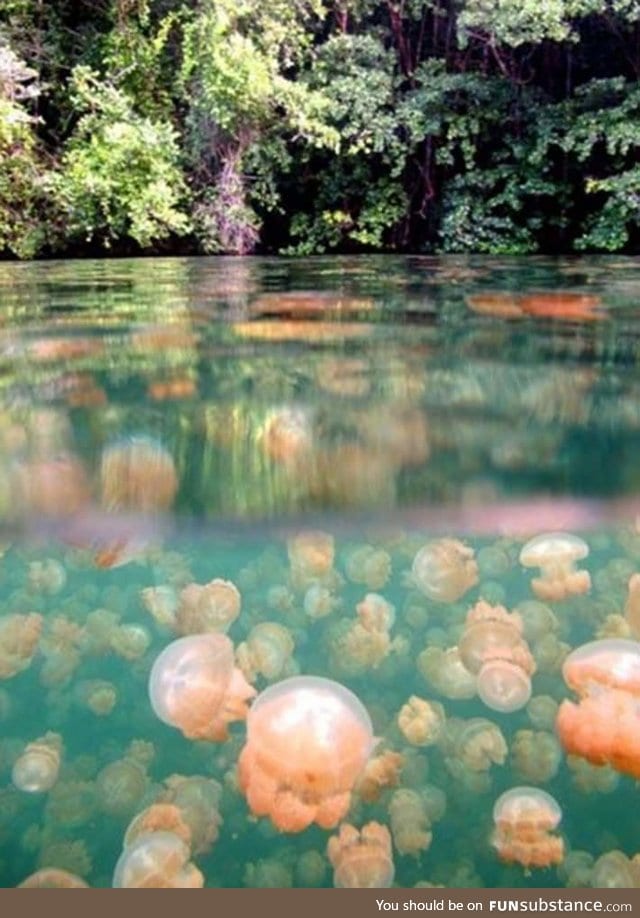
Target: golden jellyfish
(98,695)
(311,556)
(411,821)
(446,673)
(157,860)
(47,576)
(53,878)
(266,652)
(361,859)
(536,755)
(60,645)
(211,607)
(444,570)
(381,771)
(37,768)
(121,785)
(161,603)
(195,686)
(614,870)
(525,819)
(592,779)
(308,740)
(159,817)
(575,870)
(421,722)
(65,854)
(310,869)
(130,642)
(19,636)
(470,748)
(556,554)
(368,565)
(364,643)
(137,474)
(268,873)
(319,601)
(493,649)
(603,726)
(198,799)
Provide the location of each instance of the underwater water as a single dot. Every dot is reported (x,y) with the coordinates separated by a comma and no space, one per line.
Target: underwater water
(333,466)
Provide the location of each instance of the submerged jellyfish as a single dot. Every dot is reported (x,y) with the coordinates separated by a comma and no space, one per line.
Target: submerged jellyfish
(157,860)
(37,768)
(209,607)
(195,686)
(308,740)
(53,878)
(556,553)
(137,474)
(19,636)
(525,818)
(444,570)
(603,726)
(361,859)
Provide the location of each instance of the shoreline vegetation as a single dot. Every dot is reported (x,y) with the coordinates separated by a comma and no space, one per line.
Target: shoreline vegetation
(303,127)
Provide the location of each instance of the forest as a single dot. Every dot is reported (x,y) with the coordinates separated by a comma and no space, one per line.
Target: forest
(300,127)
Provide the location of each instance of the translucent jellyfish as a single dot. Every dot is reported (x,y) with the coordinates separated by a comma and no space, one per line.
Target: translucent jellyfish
(444,570)
(268,873)
(470,748)
(592,779)
(19,636)
(536,755)
(207,608)
(411,821)
(311,556)
(159,817)
(575,870)
(310,869)
(52,878)
(71,855)
(368,565)
(47,576)
(130,641)
(137,474)
(602,727)
(361,859)
(556,554)
(308,740)
(421,722)
(319,601)
(381,771)
(195,686)
(37,768)
(446,673)
(158,860)
(98,695)
(198,799)
(525,819)
(120,786)
(162,604)
(614,870)
(266,652)
(492,647)
(363,644)
(60,645)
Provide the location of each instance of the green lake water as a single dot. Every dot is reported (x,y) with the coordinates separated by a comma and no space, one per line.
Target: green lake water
(167,422)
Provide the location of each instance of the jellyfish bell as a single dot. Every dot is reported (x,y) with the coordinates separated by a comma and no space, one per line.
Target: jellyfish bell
(361,859)
(556,554)
(610,663)
(195,686)
(525,819)
(503,686)
(53,878)
(308,740)
(157,860)
(444,570)
(36,770)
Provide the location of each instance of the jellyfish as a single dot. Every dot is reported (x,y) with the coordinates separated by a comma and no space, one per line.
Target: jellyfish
(361,859)
(157,860)
(267,652)
(310,869)
(198,800)
(536,755)
(592,779)
(319,601)
(60,646)
(381,771)
(525,819)
(614,870)
(492,647)
(159,817)
(446,674)
(470,748)
(368,565)
(130,642)
(603,726)
(411,821)
(444,570)
(52,487)
(556,554)
(162,604)
(311,556)
(138,475)
(66,854)
(268,873)
(121,785)
(211,607)
(48,577)
(575,870)
(308,740)
(98,695)
(195,686)
(421,722)
(364,643)
(52,878)
(19,636)
(37,768)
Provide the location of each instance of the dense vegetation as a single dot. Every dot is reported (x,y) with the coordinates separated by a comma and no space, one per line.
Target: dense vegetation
(304,126)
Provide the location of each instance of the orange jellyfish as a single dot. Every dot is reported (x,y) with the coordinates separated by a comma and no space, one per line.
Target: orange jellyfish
(157,860)
(492,647)
(198,800)
(137,474)
(308,740)
(556,554)
(421,722)
(159,817)
(311,556)
(562,304)
(36,769)
(267,652)
(603,727)
(361,859)
(195,686)
(444,570)
(209,607)
(446,673)
(19,636)
(52,878)
(525,819)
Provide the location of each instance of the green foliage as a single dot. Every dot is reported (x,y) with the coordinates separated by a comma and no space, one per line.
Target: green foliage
(119,176)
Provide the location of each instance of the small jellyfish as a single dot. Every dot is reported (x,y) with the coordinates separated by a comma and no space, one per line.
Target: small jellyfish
(632,605)
(536,755)
(266,652)
(137,474)
(37,768)
(368,565)
(556,554)
(411,818)
(603,727)
(380,772)
(159,817)
(211,607)
(198,800)
(121,785)
(130,642)
(19,636)
(52,878)
(361,859)
(421,722)
(195,686)
(446,674)
(311,556)
(444,570)
(308,740)
(47,576)
(98,695)
(157,860)
(614,870)
(525,819)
